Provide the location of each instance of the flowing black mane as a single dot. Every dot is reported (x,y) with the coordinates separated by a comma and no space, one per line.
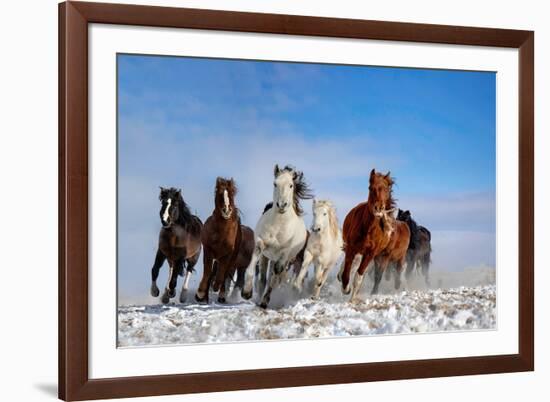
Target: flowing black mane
(301,189)
(186,219)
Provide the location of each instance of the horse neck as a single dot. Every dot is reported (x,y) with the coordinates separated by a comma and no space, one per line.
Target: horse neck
(184,217)
(283,219)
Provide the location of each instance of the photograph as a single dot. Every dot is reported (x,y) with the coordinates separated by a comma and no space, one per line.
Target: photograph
(267,200)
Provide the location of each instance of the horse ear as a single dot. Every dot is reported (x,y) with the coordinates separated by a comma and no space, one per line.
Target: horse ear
(388,178)
(276,170)
(178,191)
(372,173)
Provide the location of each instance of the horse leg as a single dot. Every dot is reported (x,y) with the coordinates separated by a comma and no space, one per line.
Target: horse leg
(170,290)
(350,265)
(425,263)
(204,285)
(274,279)
(379,266)
(262,277)
(190,264)
(411,258)
(398,269)
(246,293)
(363,264)
(320,277)
(159,260)
(341,271)
(222,278)
(299,281)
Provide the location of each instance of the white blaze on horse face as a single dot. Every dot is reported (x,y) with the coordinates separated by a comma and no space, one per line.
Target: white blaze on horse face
(225,199)
(166,213)
(283,192)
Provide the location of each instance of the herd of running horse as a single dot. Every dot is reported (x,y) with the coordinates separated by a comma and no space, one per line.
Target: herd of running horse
(281,249)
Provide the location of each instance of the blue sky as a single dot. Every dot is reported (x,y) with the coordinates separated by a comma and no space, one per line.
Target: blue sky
(185,121)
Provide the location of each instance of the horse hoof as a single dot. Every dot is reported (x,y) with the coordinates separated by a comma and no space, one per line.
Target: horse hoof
(172,293)
(263,305)
(154,290)
(221,300)
(246,295)
(346,291)
(165,299)
(201,299)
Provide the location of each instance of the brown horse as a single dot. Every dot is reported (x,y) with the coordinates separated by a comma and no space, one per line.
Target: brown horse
(395,253)
(227,244)
(366,232)
(179,243)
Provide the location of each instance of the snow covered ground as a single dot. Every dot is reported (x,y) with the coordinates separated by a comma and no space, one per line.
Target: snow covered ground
(297,316)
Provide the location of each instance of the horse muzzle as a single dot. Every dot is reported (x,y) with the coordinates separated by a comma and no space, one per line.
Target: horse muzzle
(226,213)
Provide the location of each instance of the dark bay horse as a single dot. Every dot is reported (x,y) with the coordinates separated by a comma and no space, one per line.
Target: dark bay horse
(420,249)
(179,243)
(366,232)
(228,245)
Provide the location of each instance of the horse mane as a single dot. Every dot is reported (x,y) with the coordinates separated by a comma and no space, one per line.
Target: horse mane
(301,189)
(190,222)
(267,207)
(332,218)
(392,202)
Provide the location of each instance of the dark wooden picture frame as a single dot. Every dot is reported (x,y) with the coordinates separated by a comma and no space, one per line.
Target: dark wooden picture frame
(74,382)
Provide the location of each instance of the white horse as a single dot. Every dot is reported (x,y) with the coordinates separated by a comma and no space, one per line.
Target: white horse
(280,233)
(324,246)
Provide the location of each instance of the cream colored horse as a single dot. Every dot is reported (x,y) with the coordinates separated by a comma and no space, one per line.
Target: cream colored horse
(324,246)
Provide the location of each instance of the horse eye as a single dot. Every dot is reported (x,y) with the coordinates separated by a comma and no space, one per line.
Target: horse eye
(325,214)
(291,186)
(274,184)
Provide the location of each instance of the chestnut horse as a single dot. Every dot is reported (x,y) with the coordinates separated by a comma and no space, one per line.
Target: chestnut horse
(366,232)
(227,244)
(395,253)
(179,243)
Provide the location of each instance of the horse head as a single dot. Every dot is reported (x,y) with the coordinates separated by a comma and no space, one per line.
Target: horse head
(380,192)
(225,197)
(404,216)
(170,199)
(289,187)
(324,217)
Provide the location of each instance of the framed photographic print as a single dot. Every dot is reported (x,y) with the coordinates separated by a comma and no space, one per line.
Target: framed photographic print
(258,200)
